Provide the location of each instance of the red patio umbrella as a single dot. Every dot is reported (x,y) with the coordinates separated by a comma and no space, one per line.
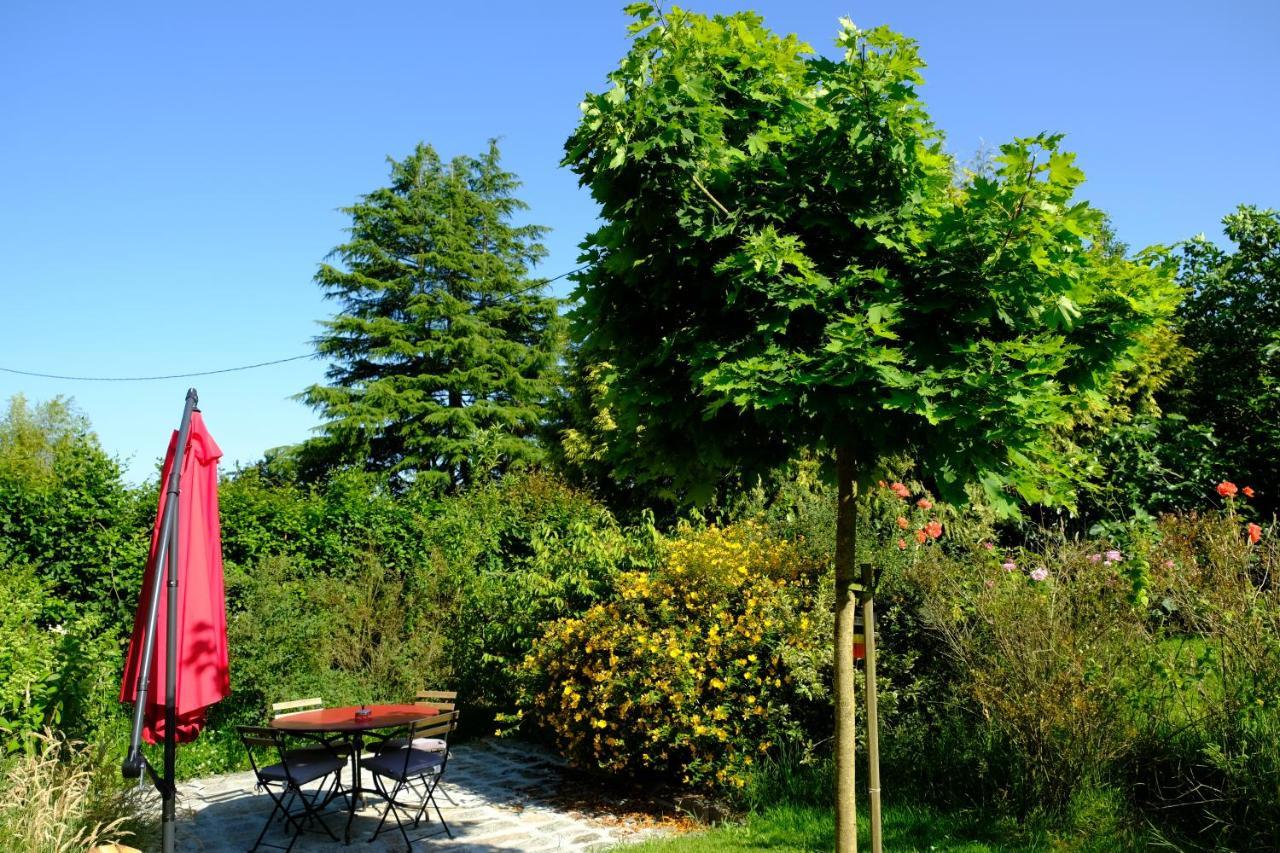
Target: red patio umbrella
(186,557)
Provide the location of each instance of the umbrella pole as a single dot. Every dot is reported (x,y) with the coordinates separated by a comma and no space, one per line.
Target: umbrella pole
(165,565)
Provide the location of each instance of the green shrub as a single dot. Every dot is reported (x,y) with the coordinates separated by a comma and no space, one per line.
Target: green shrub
(65,511)
(363,637)
(697,669)
(51,674)
(1210,713)
(507,558)
(1046,645)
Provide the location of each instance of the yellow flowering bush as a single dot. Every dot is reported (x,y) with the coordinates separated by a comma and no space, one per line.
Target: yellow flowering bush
(696,669)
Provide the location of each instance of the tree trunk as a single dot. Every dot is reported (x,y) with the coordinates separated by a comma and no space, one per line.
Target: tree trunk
(845,607)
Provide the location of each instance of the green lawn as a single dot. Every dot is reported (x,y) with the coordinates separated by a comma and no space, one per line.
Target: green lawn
(804,828)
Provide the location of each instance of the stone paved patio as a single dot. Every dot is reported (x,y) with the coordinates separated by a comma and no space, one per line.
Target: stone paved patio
(506,796)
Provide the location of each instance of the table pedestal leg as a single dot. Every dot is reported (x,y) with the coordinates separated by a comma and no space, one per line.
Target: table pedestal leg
(357,746)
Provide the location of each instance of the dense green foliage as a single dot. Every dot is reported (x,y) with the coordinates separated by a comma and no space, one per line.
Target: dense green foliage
(1231,322)
(786,261)
(65,511)
(442,354)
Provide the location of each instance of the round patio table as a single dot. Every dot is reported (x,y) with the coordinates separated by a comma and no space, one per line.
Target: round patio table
(344,721)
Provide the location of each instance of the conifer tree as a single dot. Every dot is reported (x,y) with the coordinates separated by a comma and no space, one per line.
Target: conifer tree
(443,352)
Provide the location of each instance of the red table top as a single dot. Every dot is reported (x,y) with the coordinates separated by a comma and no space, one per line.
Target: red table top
(345,720)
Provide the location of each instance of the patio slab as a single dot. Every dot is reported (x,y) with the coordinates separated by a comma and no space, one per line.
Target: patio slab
(498,795)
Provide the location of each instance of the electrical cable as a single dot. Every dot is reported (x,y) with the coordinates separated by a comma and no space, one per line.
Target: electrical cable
(214,372)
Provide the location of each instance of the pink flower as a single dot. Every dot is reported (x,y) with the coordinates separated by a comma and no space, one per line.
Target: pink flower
(1009,566)
(900,490)
(1095,558)
(902,544)
(1039,574)
(924,503)
(934,529)
(1114,556)
(987,545)
(1168,564)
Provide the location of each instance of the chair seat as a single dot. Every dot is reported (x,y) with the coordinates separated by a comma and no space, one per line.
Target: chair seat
(304,769)
(392,763)
(426,744)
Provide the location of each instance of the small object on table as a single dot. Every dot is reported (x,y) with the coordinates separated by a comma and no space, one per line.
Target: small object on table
(362,712)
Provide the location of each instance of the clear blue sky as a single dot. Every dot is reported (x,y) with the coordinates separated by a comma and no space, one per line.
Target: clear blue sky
(169,172)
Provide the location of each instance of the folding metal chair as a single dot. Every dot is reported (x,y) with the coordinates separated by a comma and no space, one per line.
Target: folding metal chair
(443,701)
(291,773)
(403,768)
(322,743)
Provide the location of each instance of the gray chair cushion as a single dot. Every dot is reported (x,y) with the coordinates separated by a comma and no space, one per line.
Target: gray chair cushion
(304,769)
(392,764)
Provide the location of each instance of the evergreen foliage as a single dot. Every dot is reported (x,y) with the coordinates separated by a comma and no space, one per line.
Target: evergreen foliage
(444,349)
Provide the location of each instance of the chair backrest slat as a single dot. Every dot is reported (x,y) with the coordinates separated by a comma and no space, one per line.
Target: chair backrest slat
(440,700)
(296,706)
(435,726)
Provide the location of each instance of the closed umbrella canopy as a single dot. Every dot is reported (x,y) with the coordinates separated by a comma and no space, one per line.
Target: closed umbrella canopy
(201,661)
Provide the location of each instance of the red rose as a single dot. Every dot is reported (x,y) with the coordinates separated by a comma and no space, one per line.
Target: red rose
(900,490)
(920,536)
(934,529)
(1227,489)
(1255,533)
(902,522)
(902,544)
(924,503)
(1248,491)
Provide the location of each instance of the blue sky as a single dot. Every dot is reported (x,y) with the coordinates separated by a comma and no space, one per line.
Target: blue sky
(170,173)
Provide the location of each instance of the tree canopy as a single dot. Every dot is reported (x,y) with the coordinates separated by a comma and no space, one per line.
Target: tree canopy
(789,258)
(444,349)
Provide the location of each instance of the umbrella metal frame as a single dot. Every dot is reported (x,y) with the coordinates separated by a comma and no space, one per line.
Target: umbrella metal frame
(165,570)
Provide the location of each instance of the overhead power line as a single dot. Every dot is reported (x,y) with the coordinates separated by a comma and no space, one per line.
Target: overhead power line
(17,372)
(152,378)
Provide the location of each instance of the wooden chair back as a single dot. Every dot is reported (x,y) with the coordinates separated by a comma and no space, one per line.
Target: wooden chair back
(438,726)
(441,700)
(295,706)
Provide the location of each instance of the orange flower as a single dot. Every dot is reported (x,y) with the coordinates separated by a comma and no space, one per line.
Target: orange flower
(1227,489)
(900,490)
(881,484)
(933,528)
(924,503)
(1255,533)
(902,522)
(902,544)
(920,536)
(1248,491)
